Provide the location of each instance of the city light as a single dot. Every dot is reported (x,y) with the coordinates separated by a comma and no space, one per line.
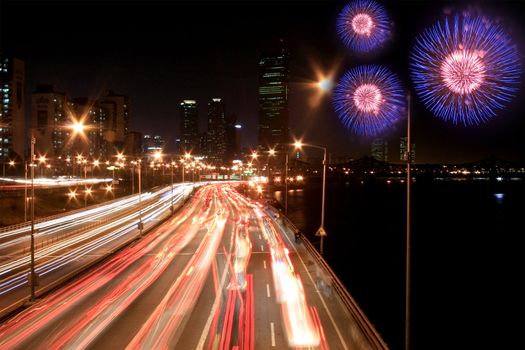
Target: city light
(325,84)
(298,144)
(77,127)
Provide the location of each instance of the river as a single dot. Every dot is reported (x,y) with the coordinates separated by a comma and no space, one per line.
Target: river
(468,266)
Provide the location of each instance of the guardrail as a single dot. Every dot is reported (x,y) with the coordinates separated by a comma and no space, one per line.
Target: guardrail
(351,305)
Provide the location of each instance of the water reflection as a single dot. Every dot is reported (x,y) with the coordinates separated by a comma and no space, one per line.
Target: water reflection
(499,197)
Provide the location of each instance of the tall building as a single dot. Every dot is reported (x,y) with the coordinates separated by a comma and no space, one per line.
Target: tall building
(116,124)
(189,126)
(273,97)
(49,121)
(152,144)
(133,146)
(12,111)
(94,117)
(379,149)
(216,138)
(202,144)
(233,138)
(403,149)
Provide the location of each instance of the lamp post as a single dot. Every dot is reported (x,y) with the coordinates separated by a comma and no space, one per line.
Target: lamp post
(172,166)
(286,184)
(408,218)
(32,277)
(271,153)
(140,225)
(25,193)
(321,231)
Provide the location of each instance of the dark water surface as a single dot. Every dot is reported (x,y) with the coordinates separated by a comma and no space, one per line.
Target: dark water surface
(468,266)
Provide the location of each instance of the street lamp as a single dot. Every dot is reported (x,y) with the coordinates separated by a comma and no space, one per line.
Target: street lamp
(140,225)
(187,156)
(32,277)
(321,231)
(172,165)
(87,193)
(11,164)
(271,153)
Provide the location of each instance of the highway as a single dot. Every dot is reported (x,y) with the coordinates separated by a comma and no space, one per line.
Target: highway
(70,242)
(222,273)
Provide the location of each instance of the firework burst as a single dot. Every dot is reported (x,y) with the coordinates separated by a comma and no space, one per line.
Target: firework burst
(369,99)
(465,69)
(363,25)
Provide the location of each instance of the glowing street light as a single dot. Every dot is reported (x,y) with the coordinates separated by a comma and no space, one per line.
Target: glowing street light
(325,84)
(78,127)
(321,231)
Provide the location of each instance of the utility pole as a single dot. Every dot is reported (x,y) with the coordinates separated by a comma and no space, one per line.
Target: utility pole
(140,225)
(32,278)
(286,184)
(408,219)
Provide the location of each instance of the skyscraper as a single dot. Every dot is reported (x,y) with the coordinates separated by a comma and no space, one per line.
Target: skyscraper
(116,124)
(94,117)
(49,121)
(379,149)
(233,138)
(273,97)
(189,127)
(152,144)
(216,138)
(133,144)
(12,111)
(403,149)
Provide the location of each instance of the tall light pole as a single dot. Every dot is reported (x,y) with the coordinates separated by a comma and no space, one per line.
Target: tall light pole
(408,219)
(140,225)
(172,166)
(271,153)
(32,278)
(25,193)
(286,184)
(321,231)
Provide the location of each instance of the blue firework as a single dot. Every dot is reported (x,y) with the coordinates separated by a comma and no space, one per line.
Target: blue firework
(465,69)
(363,25)
(369,99)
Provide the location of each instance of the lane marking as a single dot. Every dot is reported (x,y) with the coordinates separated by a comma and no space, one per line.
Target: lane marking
(264,264)
(262,248)
(260,236)
(341,339)
(273,334)
(267,290)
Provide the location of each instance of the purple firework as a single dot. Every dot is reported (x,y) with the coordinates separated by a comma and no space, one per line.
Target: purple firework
(369,99)
(465,69)
(363,25)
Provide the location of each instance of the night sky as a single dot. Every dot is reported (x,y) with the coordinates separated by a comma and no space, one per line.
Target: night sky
(161,53)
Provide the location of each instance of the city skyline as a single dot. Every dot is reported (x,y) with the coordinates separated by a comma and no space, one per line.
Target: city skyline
(163,62)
